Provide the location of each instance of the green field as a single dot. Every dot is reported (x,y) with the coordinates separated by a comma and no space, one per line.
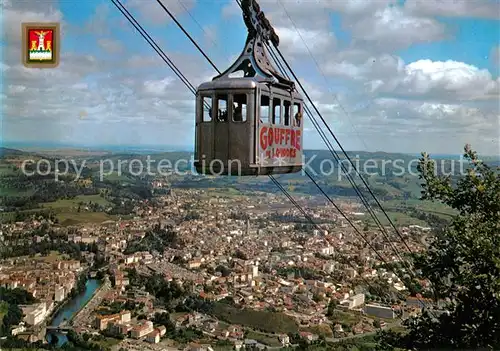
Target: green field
(107,342)
(66,210)
(75,218)
(270,322)
(15,192)
(115,177)
(321,330)
(436,208)
(346,318)
(264,338)
(73,203)
(398,218)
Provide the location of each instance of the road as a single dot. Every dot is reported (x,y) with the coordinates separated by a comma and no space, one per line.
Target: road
(84,316)
(140,345)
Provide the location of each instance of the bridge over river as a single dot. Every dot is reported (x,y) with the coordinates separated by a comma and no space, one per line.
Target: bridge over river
(58,329)
(60,323)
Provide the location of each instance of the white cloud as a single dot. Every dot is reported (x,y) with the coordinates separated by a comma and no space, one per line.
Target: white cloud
(392,28)
(13,15)
(134,98)
(110,45)
(455,8)
(424,79)
(449,79)
(302,42)
(360,65)
(158,87)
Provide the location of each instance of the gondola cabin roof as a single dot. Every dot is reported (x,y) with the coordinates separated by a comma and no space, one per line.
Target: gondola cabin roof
(245,83)
(232,83)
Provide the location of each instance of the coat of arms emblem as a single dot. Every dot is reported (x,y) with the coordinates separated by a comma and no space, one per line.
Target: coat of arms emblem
(41,45)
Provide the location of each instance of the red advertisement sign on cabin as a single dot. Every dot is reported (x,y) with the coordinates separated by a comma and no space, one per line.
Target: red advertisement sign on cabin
(279,146)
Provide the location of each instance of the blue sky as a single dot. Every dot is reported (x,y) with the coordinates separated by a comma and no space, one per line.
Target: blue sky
(423,68)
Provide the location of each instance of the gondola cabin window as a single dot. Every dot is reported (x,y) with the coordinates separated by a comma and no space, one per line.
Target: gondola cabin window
(222,111)
(265,110)
(207,108)
(286,113)
(297,114)
(276,111)
(240,108)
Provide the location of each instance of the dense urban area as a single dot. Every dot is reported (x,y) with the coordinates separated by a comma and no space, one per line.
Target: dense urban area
(139,263)
(112,238)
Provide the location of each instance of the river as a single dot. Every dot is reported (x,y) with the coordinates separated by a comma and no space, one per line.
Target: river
(71,308)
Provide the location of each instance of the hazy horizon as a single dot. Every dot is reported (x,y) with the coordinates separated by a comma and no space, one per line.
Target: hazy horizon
(174,148)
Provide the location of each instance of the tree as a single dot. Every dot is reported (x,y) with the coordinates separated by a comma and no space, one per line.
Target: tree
(462,263)
(331,307)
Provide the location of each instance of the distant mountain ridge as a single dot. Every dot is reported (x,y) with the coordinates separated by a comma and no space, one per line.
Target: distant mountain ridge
(4,151)
(145,150)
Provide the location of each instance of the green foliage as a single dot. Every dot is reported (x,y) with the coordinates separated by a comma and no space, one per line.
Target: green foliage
(46,246)
(14,315)
(14,343)
(463,263)
(331,308)
(271,322)
(303,272)
(83,342)
(167,293)
(16,296)
(80,286)
(157,239)
(165,320)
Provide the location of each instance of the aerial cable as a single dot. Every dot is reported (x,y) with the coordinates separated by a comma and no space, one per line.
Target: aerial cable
(203,53)
(350,179)
(345,112)
(272,177)
(330,146)
(337,158)
(314,224)
(194,42)
(187,34)
(367,205)
(329,129)
(343,150)
(215,67)
(348,176)
(179,74)
(335,155)
(324,77)
(189,85)
(153,44)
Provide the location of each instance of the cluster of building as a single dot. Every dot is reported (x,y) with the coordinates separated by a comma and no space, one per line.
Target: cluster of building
(254,249)
(48,279)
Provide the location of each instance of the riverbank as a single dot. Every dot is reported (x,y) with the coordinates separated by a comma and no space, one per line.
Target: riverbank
(69,310)
(96,291)
(81,318)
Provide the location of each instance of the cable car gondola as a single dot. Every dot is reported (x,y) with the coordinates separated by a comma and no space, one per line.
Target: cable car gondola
(249,118)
